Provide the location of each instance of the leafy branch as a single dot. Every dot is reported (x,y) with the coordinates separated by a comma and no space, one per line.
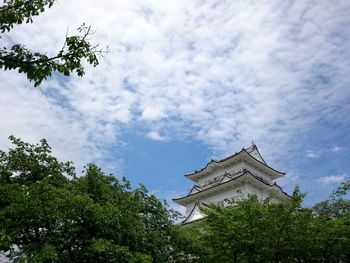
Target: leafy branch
(18,11)
(38,66)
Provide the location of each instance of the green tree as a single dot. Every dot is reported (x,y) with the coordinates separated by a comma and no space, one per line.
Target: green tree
(37,65)
(47,214)
(337,204)
(251,230)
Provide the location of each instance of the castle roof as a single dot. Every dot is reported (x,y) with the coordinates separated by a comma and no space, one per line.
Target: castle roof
(250,155)
(195,214)
(228,181)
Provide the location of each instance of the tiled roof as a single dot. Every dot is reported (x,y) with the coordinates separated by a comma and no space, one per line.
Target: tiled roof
(247,151)
(246,172)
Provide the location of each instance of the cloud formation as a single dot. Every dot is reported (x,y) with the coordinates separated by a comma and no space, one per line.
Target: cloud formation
(337,149)
(332,179)
(221,72)
(313,154)
(154,135)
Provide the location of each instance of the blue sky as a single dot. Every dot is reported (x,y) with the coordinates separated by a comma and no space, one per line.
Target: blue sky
(187,81)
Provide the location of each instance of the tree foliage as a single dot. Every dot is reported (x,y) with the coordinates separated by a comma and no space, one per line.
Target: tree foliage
(251,230)
(38,65)
(47,214)
(337,205)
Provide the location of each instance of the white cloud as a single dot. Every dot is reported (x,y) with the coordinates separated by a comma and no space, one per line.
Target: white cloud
(313,154)
(152,113)
(332,179)
(222,72)
(30,115)
(337,149)
(154,135)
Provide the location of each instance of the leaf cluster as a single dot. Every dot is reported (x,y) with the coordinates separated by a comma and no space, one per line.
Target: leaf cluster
(38,66)
(251,230)
(16,12)
(47,214)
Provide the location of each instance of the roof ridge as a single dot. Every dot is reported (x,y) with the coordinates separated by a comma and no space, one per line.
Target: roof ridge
(232,179)
(215,161)
(233,155)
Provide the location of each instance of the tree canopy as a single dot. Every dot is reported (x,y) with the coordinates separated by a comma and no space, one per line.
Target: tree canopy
(48,214)
(252,230)
(36,64)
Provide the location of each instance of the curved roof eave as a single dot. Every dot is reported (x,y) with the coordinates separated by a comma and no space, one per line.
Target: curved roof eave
(197,204)
(280,188)
(260,155)
(263,163)
(195,187)
(214,161)
(190,222)
(200,190)
(230,157)
(245,173)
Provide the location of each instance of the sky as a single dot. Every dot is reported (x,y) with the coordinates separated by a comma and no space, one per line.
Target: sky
(188,81)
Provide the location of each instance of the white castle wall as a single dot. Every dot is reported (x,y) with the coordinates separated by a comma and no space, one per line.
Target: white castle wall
(234,192)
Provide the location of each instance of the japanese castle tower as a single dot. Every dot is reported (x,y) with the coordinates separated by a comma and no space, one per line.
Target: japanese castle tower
(240,174)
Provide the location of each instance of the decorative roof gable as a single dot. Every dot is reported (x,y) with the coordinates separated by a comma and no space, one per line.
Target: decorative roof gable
(195,214)
(250,154)
(253,151)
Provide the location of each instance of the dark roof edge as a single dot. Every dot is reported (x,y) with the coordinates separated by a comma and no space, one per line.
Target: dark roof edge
(212,161)
(260,154)
(232,179)
(264,163)
(194,221)
(198,203)
(233,155)
(211,187)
